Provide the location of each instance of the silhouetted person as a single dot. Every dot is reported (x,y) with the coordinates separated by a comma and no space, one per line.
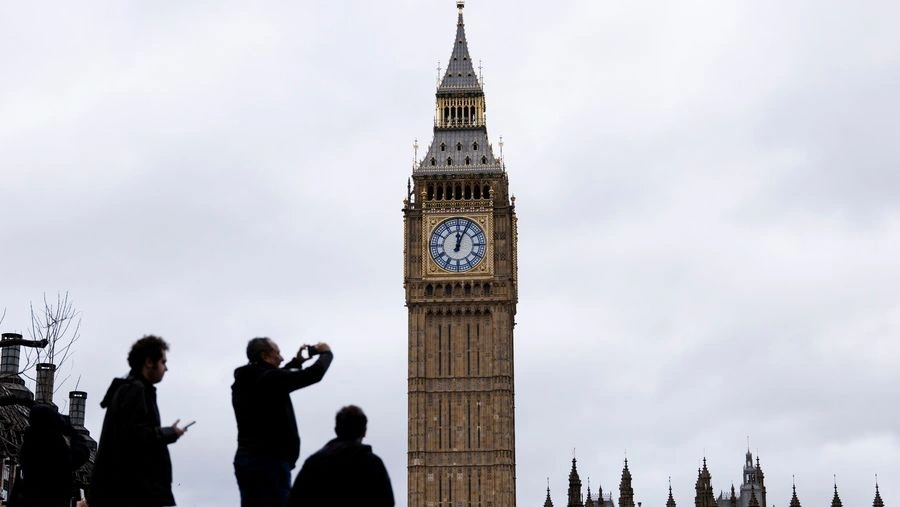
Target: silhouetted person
(133,467)
(268,442)
(51,451)
(345,472)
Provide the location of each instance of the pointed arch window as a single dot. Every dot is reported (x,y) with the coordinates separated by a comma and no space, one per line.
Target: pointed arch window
(443,147)
(433,161)
(475,146)
(468,161)
(449,161)
(458,146)
(484,160)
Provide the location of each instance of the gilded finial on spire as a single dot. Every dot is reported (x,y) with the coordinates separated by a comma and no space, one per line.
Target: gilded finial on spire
(460,4)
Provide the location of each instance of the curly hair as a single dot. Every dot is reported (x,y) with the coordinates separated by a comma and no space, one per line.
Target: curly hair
(149,347)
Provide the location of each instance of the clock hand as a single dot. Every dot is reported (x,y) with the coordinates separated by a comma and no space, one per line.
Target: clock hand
(459,236)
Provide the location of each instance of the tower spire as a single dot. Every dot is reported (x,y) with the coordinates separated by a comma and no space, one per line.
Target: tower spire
(626,492)
(460,73)
(878,502)
(670,502)
(836,500)
(548,502)
(574,486)
(795,502)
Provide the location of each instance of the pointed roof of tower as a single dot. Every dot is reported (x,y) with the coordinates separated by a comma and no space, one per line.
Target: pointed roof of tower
(626,473)
(626,492)
(460,75)
(670,502)
(573,474)
(589,501)
(548,502)
(795,502)
(733,499)
(754,502)
(878,502)
(574,487)
(836,501)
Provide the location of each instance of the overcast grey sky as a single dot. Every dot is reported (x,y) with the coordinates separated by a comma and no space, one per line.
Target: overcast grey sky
(708,213)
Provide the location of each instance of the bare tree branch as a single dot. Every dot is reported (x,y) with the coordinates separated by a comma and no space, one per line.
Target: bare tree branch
(59,324)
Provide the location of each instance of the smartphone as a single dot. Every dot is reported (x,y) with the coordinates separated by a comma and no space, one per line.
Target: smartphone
(188,425)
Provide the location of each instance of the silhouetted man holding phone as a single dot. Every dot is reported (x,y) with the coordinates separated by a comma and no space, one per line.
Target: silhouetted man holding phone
(133,466)
(268,442)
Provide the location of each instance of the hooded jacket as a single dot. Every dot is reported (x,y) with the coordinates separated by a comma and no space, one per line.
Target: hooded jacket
(262,405)
(132,466)
(343,473)
(51,451)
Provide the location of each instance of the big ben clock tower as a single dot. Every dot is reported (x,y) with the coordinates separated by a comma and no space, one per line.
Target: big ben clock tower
(460,280)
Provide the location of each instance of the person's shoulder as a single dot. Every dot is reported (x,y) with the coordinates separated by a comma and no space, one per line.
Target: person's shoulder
(374,458)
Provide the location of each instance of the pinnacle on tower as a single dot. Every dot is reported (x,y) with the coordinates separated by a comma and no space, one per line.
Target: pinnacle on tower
(704,495)
(754,502)
(795,502)
(626,493)
(836,501)
(548,502)
(878,502)
(574,487)
(670,502)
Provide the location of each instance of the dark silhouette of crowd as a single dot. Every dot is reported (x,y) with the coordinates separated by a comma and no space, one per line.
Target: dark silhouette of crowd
(133,467)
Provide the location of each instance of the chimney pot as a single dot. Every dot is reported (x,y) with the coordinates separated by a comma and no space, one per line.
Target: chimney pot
(44,385)
(77,403)
(9,356)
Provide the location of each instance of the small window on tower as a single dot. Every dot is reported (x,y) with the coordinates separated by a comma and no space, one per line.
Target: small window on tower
(484,160)
(433,161)
(458,146)
(443,147)
(475,146)
(449,161)
(468,161)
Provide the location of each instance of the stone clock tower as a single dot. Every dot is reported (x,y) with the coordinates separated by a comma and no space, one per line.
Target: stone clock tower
(460,280)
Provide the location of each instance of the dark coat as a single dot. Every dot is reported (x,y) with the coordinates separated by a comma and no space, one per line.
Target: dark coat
(51,451)
(262,405)
(343,473)
(132,466)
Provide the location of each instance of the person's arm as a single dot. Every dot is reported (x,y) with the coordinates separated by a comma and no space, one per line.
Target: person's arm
(135,414)
(292,377)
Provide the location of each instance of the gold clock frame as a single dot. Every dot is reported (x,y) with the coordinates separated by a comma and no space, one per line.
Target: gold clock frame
(484,269)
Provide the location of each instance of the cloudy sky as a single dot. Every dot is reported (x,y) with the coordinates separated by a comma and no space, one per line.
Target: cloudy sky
(709,214)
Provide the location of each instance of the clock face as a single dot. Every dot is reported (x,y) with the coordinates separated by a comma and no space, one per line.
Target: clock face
(457,244)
